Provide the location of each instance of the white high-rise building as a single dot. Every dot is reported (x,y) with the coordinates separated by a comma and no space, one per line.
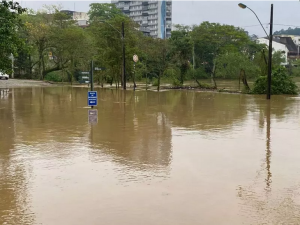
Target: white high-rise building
(154,17)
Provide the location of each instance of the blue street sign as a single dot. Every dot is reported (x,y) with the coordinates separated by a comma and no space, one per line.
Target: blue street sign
(92,98)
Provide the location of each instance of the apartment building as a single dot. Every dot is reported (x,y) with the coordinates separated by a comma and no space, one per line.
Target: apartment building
(154,17)
(80,17)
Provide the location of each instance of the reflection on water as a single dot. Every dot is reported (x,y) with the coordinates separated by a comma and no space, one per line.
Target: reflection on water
(175,157)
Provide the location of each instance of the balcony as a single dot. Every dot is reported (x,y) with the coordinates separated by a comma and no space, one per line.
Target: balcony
(153,34)
(135,14)
(169,2)
(134,3)
(145,3)
(152,12)
(126,9)
(136,9)
(153,6)
(145,22)
(144,29)
(152,24)
(145,13)
(152,17)
(152,28)
(136,19)
(145,8)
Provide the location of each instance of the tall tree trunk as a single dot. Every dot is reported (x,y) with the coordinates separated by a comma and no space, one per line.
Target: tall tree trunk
(213,74)
(158,82)
(30,66)
(72,70)
(244,79)
(43,66)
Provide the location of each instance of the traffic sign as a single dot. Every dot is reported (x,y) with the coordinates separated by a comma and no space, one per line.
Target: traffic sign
(99,68)
(135,58)
(84,73)
(92,98)
(93,116)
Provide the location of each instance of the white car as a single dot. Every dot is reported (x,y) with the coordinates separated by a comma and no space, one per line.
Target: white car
(4,76)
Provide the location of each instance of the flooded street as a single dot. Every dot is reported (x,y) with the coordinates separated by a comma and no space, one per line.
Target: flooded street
(168,158)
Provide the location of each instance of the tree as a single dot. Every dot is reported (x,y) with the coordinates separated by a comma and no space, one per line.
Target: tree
(51,31)
(10,41)
(289,31)
(108,40)
(213,39)
(103,11)
(229,65)
(281,83)
(181,49)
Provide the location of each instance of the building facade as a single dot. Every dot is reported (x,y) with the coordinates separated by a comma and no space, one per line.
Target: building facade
(276,47)
(80,17)
(154,17)
(289,45)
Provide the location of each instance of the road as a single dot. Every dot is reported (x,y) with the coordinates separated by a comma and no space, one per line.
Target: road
(15,83)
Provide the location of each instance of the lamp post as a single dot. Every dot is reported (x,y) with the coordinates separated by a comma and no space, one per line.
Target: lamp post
(122,33)
(270,37)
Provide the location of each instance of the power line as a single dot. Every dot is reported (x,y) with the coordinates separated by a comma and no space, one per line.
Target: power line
(285,25)
(276,24)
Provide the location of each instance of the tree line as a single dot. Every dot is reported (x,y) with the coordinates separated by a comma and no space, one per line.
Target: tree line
(48,44)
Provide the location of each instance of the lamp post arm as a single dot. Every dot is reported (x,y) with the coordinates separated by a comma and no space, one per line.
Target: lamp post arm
(259,21)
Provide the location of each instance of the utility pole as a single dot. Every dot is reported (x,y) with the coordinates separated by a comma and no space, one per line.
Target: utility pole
(92,77)
(123,55)
(12,66)
(270,55)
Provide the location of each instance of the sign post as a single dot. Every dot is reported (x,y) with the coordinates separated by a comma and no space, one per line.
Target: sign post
(135,59)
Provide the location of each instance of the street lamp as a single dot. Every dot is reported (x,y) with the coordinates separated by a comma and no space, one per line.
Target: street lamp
(123,50)
(270,37)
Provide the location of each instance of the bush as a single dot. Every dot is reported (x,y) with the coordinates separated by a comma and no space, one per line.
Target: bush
(176,82)
(56,76)
(281,84)
(155,82)
(296,71)
(199,73)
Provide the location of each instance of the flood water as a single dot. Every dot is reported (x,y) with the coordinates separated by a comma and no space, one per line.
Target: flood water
(168,158)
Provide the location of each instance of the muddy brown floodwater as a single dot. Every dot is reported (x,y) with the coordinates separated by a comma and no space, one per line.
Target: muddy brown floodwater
(169,158)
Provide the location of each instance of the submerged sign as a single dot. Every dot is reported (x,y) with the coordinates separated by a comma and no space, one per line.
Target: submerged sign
(93,116)
(92,98)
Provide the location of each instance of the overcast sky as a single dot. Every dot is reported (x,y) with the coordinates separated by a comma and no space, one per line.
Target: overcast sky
(224,12)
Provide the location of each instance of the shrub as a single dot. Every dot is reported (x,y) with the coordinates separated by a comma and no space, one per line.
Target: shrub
(55,76)
(281,84)
(199,73)
(176,82)
(155,82)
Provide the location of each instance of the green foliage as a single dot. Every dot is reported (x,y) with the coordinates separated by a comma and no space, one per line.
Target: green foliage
(56,76)
(199,73)
(289,31)
(103,11)
(295,71)
(281,84)
(155,82)
(52,31)
(181,49)
(213,39)
(229,65)
(10,40)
